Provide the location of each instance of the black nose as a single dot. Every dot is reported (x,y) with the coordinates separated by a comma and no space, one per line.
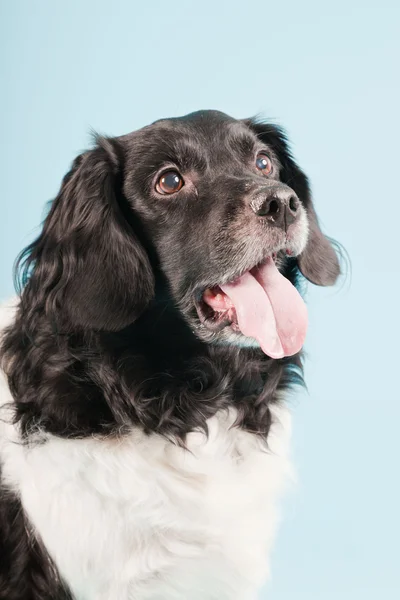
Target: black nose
(281,209)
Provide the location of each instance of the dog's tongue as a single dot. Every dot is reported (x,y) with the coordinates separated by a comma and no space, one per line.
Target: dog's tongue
(269,309)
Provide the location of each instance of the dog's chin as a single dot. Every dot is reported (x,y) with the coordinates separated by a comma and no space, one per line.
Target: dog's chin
(227,334)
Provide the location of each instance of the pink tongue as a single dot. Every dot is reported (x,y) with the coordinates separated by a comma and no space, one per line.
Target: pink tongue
(269,309)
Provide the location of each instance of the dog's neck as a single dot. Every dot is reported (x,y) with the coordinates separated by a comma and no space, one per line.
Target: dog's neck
(155,374)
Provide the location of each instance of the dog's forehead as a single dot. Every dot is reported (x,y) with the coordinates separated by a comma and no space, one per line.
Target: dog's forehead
(205,122)
(199,117)
(207,129)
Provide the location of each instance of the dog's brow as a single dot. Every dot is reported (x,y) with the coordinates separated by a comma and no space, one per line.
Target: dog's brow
(186,153)
(243,144)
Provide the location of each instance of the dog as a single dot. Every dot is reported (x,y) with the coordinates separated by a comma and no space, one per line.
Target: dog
(144,435)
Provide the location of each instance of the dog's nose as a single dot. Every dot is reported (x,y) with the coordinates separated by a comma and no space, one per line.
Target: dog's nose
(280,208)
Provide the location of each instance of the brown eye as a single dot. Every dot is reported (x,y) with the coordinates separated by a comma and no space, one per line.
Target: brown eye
(169,183)
(264,164)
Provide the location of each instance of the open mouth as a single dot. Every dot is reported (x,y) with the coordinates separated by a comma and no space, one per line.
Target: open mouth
(260,304)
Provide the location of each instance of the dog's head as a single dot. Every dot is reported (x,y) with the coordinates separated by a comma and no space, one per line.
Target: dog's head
(204,212)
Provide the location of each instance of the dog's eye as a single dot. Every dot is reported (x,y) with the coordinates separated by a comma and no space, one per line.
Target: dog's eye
(263,163)
(169,183)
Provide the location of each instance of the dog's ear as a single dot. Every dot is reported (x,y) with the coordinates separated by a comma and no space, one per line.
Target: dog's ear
(87,263)
(318,262)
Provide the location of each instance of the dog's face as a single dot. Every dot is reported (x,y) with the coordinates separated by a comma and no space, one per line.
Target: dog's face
(204,209)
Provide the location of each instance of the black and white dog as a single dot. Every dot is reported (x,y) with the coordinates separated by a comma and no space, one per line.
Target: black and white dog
(143,428)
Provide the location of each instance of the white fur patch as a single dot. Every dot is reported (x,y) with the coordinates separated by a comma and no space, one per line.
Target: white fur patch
(138,518)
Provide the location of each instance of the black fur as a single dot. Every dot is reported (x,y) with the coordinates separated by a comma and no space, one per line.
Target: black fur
(26,570)
(107,335)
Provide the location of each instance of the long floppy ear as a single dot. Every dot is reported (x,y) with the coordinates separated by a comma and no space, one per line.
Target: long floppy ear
(318,262)
(87,268)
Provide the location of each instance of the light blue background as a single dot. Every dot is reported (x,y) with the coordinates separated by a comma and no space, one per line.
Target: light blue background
(329,73)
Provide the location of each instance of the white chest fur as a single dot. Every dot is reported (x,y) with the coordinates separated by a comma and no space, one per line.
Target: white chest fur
(141,519)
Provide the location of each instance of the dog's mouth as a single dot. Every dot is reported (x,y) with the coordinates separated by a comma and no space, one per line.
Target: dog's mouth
(260,304)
